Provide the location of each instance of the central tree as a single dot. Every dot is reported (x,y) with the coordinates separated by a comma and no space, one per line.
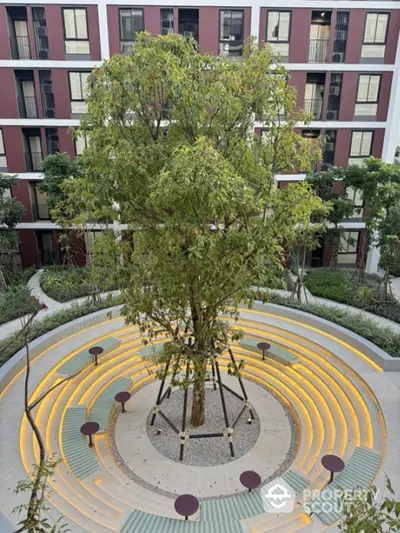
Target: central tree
(172,156)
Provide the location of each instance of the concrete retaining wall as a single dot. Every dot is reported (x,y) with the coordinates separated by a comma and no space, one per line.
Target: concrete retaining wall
(380,357)
(37,346)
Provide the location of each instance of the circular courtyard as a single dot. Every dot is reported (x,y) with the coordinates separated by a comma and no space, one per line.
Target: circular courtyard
(315,394)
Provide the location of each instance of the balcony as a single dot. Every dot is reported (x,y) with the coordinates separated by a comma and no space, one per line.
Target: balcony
(27,107)
(318,51)
(20,47)
(33,161)
(40,211)
(313,106)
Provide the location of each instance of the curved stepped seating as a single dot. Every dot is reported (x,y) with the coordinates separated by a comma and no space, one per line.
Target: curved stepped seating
(359,473)
(138,522)
(101,409)
(83,359)
(150,350)
(275,353)
(78,455)
(295,481)
(237,507)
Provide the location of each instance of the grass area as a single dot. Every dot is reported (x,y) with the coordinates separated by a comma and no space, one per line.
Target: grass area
(385,338)
(342,286)
(11,344)
(16,301)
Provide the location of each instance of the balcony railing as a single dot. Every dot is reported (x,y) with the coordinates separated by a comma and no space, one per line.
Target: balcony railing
(40,211)
(33,161)
(313,106)
(27,107)
(318,51)
(20,47)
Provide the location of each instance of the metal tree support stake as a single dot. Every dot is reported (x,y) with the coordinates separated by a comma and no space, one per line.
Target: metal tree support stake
(216,378)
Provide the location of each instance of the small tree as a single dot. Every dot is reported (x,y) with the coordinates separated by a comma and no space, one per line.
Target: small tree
(328,186)
(37,517)
(11,212)
(170,156)
(379,184)
(366,511)
(305,236)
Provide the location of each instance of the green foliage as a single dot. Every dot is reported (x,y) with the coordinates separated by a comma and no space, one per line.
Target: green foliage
(17,275)
(15,302)
(11,212)
(13,343)
(369,511)
(169,154)
(38,518)
(63,283)
(343,286)
(384,338)
(57,169)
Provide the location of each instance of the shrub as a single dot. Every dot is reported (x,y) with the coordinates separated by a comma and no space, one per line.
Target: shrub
(15,302)
(342,286)
(13,343)
(66,283)
(17,275)
(385,338)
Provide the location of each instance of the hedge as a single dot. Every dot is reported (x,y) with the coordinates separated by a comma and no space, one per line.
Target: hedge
(340,286)
(385,338)
(15,302)
(13,343)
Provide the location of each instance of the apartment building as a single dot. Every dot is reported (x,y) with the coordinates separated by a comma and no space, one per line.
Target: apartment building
(343,57)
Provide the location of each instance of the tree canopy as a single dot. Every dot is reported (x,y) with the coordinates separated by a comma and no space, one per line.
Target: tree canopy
(172,156)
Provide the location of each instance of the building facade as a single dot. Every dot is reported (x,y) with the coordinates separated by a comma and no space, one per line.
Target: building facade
(343,57)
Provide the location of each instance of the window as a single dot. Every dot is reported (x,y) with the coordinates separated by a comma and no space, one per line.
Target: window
(356,198)
(167,21)
(77,84)
(231,32)
(80,144)
(278,31)
(348,247)
(131,22)
(375,28)
(361,143)
(3,159)
(367,94)
(76,31)
(375,32)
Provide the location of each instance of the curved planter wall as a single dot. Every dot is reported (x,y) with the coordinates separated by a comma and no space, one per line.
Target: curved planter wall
(17,362)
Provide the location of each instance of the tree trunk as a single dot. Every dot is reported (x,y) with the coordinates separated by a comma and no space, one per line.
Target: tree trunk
(198,405)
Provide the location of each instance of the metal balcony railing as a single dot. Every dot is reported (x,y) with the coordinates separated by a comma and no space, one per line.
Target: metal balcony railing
(33,161)
(318,51)
(40,211)
(313,106)
(20,47)
(27,107)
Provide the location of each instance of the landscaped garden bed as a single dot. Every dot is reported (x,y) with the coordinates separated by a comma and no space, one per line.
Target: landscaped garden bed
(16,301)
(343,286)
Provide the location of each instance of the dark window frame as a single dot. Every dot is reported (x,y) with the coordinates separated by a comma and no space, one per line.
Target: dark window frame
(87,24)
(223,41)
(357,243)
(386,32)
(379,87)
(290,25)
(86,145)
(69,83)
(4,146)
(173,20)
(133,39)
(351,142)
